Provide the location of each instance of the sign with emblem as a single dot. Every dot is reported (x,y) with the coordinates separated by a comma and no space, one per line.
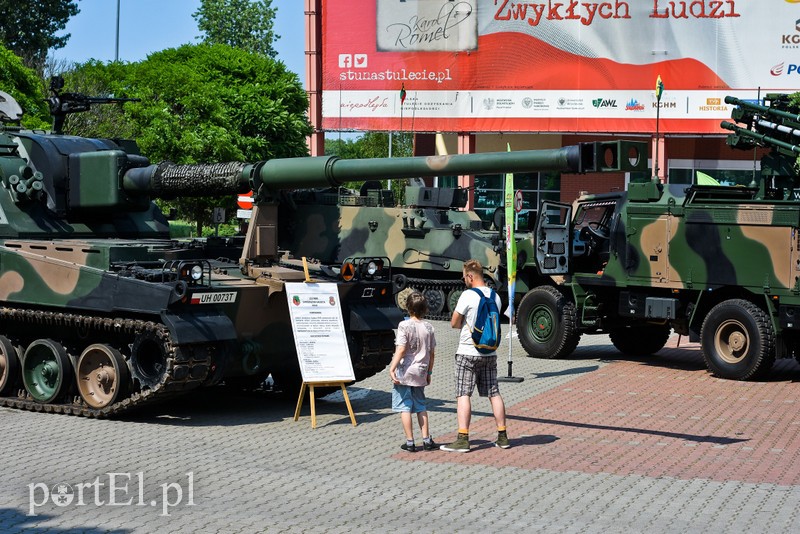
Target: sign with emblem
(318,328)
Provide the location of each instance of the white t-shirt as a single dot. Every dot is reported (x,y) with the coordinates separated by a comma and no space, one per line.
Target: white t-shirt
(468,307)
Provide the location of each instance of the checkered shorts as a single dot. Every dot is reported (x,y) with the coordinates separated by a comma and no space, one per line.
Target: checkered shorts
(476,370)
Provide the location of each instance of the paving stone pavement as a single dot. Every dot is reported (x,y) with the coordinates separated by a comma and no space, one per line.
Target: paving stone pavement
(600,443)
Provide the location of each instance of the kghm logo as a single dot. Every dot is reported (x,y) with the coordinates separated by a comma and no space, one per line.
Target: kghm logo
(634,105)
(604,103)
(792,40)
(665,105)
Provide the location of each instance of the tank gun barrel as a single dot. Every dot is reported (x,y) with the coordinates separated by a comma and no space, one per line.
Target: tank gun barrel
(293,173)
(168,180)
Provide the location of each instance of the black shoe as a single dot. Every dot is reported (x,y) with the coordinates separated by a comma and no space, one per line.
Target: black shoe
(409,448)
(432,446)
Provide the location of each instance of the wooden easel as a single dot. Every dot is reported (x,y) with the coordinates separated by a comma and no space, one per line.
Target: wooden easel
(311,386)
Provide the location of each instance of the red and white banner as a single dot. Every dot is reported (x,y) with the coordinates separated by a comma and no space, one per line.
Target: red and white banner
(553,65)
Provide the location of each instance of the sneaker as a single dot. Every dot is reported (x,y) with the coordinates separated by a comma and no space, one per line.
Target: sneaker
(461,444)
(502,440)
(432,446)
(409,448)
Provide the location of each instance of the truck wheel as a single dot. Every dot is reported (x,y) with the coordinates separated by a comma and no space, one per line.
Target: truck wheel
(738,340)
(640,341)
(547,323)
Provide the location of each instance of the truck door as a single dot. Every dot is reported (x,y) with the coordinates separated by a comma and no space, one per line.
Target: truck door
(553,235)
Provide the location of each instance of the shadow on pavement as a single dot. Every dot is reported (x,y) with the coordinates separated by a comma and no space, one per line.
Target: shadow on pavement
(567,372)
(216,406)
(14,520)
(719,440)
(687,359)
(221,406)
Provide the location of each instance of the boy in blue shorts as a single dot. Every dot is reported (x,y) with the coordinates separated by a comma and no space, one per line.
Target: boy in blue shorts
(411,370)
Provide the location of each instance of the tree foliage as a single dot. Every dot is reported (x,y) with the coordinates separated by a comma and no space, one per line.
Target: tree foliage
(25,86)
(245,24)
(29,28)
(374,145)
(96,79)
(203,104)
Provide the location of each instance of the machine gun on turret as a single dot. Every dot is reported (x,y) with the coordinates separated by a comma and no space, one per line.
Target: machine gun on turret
(62,104)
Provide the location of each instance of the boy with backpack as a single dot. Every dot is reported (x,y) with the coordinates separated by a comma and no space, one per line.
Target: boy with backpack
(476,359)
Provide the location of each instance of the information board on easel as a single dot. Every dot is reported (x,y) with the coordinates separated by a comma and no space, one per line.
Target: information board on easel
(321,341)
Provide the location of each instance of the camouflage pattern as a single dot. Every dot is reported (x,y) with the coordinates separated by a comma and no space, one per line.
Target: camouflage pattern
(427,242)
(717,263)
(102,312)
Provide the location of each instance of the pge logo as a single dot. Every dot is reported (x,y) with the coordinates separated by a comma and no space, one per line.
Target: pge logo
(777,70)
(353,61)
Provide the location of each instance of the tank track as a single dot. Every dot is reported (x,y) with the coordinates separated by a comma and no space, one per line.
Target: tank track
(186,369)
(426,286)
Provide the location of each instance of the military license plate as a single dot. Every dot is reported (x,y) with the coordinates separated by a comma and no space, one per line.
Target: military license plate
(214,298)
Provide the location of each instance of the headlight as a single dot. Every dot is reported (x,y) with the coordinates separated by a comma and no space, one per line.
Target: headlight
(372,268)
(196,272)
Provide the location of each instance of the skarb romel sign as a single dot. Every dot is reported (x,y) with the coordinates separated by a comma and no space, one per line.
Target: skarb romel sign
(422,25)
(454,57)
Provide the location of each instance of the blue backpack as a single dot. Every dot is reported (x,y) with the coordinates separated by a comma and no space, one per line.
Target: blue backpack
(486,332)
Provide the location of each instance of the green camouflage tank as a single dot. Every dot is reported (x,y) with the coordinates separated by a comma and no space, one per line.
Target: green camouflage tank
(428,239)
(102,312)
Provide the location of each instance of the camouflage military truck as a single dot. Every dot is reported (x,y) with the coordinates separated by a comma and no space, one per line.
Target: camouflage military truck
(717,263)
(427,240)
(101,312)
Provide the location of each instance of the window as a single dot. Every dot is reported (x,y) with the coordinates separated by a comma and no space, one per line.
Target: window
(685,171)
(535,187)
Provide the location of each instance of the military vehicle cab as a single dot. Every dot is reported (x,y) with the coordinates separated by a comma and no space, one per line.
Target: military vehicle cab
(717,263)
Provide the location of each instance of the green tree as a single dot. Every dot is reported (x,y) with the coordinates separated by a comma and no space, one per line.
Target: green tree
(245,24)
(207,103)
(24,85)
(374,145)
(29,28)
